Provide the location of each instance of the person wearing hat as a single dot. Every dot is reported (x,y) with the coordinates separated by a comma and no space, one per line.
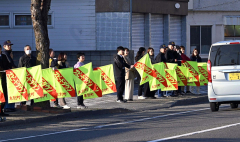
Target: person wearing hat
(7,45)
(170,59)
(4,65)
(161,58)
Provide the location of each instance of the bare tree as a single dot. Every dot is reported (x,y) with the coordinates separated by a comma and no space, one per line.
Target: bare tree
(39,14)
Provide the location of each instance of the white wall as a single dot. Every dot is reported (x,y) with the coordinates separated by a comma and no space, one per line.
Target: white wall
(73,25)
(216,19)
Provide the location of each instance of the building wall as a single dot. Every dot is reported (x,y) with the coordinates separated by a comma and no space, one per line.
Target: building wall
(214,19)
(73,25)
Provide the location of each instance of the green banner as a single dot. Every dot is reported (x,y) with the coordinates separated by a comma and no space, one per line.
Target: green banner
(17,85)
(182,74)
(34,82)
(159,81)
(2,98)
(145,69)
(64,82)
(48,84)
(193,73)
(108,80)
(203,76)
(171,77)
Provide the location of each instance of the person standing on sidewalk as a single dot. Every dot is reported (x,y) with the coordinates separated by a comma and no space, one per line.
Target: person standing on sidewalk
(54,65)
(119,70)
(185,58)
(27,60)
(179,61)
(161,58)
(81,59)
(4,65)
(170,59)
(195,57)
(129,77)
(147,93)
(140,54)
(7,45)
(62,65)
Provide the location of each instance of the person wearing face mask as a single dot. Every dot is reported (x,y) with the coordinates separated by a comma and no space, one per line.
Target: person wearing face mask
(27,60)
(7,45)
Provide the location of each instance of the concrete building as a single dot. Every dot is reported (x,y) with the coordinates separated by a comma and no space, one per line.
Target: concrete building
(97,27)
(210,21)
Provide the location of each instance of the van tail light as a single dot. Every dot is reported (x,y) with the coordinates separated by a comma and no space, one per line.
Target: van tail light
(234,43)
(209,65)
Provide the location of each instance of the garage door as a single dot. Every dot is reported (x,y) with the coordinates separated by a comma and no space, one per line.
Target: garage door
(176,29)
(156,32)
(137,31)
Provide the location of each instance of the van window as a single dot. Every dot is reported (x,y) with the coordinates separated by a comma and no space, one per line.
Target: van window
(225,55)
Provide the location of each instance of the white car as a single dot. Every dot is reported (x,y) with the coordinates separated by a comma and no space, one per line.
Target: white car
(224,74)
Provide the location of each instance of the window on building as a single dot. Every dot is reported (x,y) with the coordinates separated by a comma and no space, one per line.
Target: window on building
(232,32)
(200,38)
(26,20)
(4,20)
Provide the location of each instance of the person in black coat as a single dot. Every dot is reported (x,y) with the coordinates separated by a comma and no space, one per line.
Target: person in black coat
(161,58)
(170,59)
(4,65)
(195,56)
(147,93)
(161,55)
(27,60)
(7,45)
(119,71)
(139,55)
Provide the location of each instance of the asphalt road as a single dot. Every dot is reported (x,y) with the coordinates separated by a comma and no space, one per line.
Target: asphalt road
(178,124)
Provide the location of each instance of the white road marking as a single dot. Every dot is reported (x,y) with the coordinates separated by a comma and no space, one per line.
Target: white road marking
(197,132)
(102,126)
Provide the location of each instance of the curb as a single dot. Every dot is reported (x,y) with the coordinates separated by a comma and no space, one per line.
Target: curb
(76,114)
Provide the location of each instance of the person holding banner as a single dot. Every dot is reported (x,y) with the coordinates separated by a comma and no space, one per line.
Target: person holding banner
(7,45)
(147,93)
(185,58)
(170,59)
(81,59)
(129,77)
(119,70)
(161,58)
(179,58)
(27,60)
(62,65)
(4,65)
(140,54)
(195,57)
(54,65)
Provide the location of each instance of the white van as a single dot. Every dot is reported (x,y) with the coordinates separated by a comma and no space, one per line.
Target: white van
(224,74)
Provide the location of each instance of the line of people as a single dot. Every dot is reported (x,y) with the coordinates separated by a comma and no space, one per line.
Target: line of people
(125,73)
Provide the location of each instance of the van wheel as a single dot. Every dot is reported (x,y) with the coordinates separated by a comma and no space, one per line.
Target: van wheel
(234,105)
(214,106)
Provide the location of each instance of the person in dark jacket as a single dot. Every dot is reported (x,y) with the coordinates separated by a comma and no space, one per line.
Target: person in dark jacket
(161,58)
(170,59)
(179,60)
(147,93)
(161,55)
(27,60)
(119,70)
(195,57)
(7,45)
(139,55)
(170,53)
(4,65)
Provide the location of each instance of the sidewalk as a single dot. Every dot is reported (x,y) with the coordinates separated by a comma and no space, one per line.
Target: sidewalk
(105,105)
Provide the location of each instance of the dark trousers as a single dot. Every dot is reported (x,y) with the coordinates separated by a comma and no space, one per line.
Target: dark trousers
(24,103)
(120,84)
(140,90)
(147,92)
(4,87)
(80,100)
